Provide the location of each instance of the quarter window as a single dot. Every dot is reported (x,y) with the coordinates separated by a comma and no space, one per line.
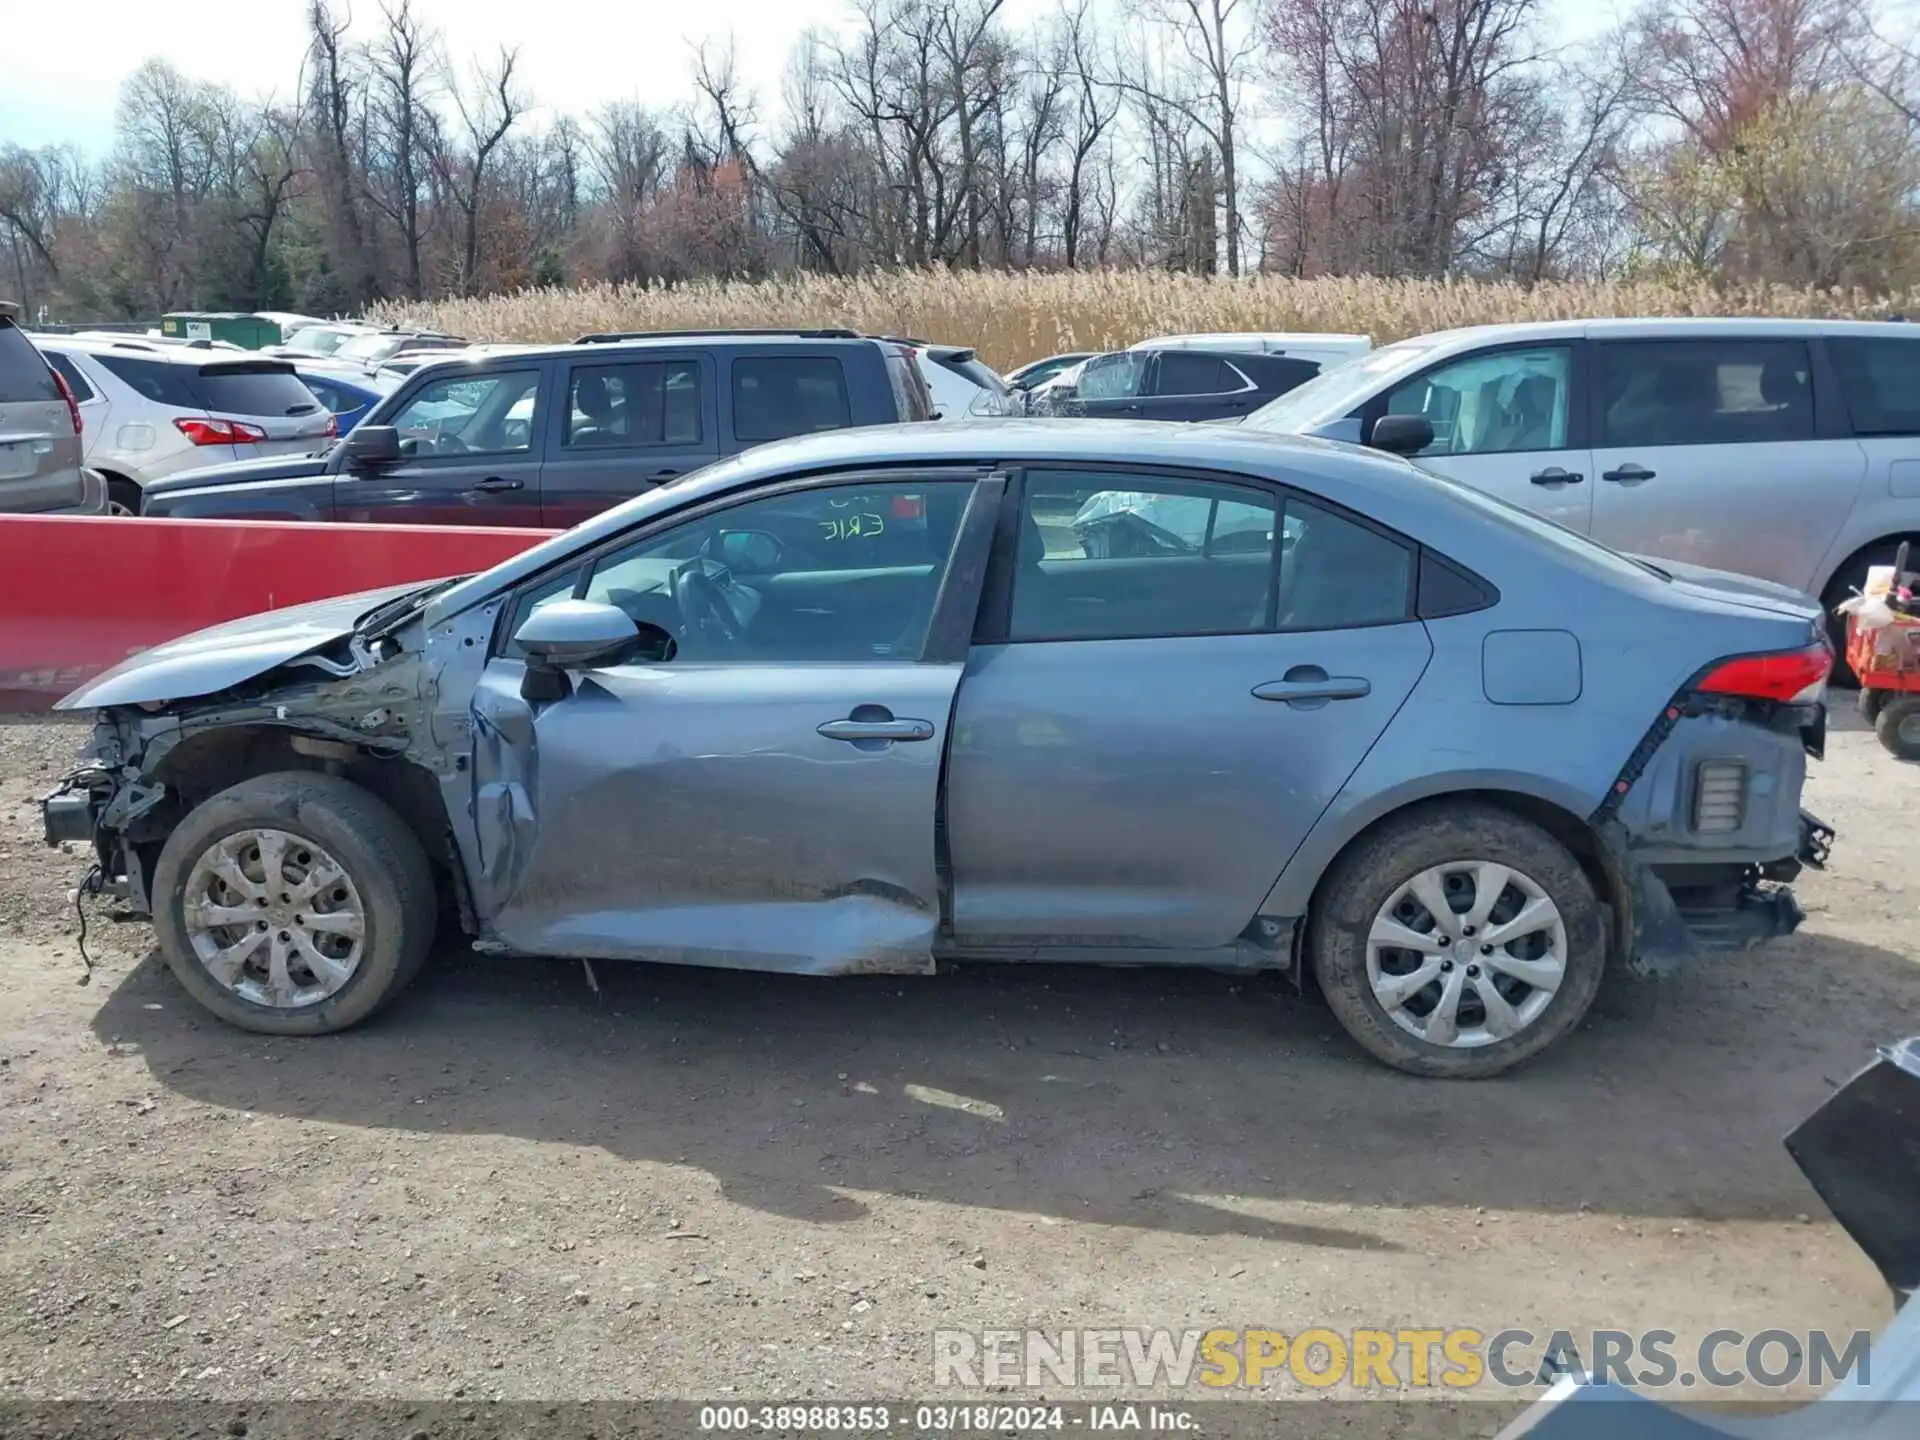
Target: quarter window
(655,403)
(470,415)
(1705,392)
(788,395)
(1508,401)
(70,372)
(1881,382)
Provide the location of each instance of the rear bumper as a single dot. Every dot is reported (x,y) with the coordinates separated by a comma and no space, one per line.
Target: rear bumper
(1676,920)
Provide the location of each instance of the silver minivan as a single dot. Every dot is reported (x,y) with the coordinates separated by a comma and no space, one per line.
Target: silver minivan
(1785,449)
(40,470)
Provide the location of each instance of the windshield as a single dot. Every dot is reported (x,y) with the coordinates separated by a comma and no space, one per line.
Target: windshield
(1333,393)
(317,340)
(371,347)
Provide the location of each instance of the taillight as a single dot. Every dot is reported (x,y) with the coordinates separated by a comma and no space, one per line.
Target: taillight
(219,432)
(66,394)
(1789,676)
(332,432)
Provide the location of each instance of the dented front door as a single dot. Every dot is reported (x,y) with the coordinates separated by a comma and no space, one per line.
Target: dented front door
(766,813)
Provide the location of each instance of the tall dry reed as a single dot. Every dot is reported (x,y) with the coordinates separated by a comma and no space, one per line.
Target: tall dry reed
(1014,318)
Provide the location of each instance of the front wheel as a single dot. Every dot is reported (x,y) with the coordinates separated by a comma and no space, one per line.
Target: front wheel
(1457,941)
(1898,726)
(293,904)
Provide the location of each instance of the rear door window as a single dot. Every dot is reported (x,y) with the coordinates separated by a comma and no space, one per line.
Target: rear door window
(24,375)
(1182,373)
(787,395)
(1705,392)
(1880,381)
(238,390)
(651,403)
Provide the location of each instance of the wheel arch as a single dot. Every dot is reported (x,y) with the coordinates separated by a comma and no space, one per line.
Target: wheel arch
(203,764)
(1549,808)
(1858,553)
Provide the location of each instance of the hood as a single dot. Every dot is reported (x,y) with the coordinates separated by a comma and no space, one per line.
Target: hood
(1725,585)
(224,655)
(241,472)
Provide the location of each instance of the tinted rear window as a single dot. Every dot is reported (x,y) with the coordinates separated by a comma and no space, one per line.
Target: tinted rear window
(254,392)
(24,375)
(789,395)
(1880,380)
(70,372)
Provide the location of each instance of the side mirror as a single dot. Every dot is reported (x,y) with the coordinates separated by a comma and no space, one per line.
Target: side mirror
(368,447)
(1401,434)
(576,635)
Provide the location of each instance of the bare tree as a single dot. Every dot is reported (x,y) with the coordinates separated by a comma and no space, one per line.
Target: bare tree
(406,77)
(487,117)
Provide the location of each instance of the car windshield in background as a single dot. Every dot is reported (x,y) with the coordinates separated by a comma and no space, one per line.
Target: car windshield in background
(250,391)
(1331,393)
(372,349)
(24,375)
(318,340)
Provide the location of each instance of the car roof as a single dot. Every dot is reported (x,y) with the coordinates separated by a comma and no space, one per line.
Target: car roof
(140,348)
(1656,327)
(985,443)
(612,349)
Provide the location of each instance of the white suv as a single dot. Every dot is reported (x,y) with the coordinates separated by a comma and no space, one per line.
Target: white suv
(152,409)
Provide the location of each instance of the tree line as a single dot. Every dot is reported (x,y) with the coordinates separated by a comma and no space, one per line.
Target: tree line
(1730,140)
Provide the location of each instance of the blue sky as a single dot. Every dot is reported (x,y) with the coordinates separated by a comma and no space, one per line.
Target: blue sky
(65,62)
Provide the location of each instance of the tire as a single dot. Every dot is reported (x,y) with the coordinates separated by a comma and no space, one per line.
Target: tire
(1870,702)
(123,496)
(1898,726)
(337,827)
(1370,883)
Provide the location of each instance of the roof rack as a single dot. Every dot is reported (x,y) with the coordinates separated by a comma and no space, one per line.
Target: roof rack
(612,337)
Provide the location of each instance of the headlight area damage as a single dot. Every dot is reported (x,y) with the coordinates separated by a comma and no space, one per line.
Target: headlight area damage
(1702,829)
(355,708)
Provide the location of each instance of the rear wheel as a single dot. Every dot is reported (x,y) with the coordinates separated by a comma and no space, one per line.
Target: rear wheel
(1457,941)
(1898,726)
(123,496)
(293,904)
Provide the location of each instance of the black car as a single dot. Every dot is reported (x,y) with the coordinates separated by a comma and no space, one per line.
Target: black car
(547,436)
(1172,384)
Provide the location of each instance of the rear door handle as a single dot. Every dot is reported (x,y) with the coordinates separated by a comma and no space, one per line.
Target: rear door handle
(1554,475)
(1627,474)
(1313,686)
(494,484)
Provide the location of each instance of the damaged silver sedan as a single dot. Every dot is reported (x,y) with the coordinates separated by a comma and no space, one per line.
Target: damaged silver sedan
(861,703)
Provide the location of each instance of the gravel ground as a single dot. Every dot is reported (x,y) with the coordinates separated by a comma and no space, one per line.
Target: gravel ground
(703,1184)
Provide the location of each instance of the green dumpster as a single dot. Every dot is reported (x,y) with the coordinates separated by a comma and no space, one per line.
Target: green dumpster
(250,331)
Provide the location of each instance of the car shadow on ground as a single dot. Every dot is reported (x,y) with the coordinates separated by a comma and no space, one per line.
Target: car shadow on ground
(1188,1102)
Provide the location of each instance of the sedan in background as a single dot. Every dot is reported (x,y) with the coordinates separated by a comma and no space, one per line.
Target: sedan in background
(857,703)
(349,397)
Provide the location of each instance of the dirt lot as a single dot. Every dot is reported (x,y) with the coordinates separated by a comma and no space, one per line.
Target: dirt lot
(695,1184)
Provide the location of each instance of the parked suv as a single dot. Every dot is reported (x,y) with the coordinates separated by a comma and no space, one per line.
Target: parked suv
(1785,449)
(1174,384)
(40,447)
(151,409)
(546,436)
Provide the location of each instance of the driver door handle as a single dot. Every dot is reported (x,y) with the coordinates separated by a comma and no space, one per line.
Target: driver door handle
(493,484)
(1554,475)
(888,729)
(1627,474)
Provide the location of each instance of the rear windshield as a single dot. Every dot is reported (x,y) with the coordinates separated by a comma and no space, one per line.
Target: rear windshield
(977,370)
(253,391)
(232,389)
(24,375)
